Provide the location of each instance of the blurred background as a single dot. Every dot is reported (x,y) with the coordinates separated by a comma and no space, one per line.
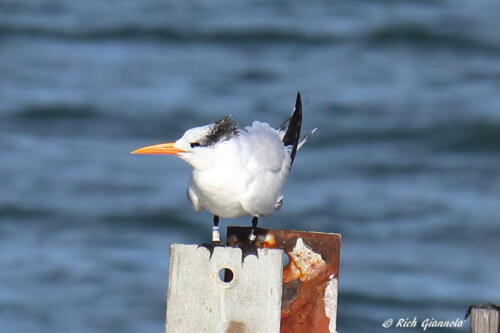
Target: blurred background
(405,164)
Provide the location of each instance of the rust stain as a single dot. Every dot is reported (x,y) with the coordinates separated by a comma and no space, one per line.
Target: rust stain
(236,327)
(314,262)
(305,264)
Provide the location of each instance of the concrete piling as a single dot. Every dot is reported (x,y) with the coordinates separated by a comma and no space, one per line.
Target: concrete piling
(484,318)
(223,293)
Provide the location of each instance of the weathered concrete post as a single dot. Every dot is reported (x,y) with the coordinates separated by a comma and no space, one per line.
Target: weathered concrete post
(199,300)
(484,318)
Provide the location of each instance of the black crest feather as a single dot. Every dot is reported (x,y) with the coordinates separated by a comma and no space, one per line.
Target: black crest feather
(222,130)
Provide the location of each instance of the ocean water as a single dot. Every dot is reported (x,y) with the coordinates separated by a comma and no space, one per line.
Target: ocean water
(405,163)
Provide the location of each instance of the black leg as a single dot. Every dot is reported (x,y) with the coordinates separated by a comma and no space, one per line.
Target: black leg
(255,220)
(215,230)
(215,237)
(250,247)
(252,236)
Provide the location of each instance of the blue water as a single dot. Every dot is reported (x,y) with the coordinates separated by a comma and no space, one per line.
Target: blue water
(405,164)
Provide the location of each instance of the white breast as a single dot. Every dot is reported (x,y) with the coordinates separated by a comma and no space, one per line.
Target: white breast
(243,175)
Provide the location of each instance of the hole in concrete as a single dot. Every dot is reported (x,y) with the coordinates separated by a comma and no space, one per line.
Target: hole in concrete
(226,275)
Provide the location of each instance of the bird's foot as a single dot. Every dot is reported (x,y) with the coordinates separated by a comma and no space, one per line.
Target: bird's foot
(211,247)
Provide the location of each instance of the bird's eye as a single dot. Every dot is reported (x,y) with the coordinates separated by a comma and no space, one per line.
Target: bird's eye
(195,144)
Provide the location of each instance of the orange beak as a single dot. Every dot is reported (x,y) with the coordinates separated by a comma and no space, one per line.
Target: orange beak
(162,148)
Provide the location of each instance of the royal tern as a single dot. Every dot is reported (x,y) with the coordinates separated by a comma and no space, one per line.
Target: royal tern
(237,171)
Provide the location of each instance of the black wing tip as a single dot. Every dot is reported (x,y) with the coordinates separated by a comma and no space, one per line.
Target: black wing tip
(298,107)
(292,135)
(298,101)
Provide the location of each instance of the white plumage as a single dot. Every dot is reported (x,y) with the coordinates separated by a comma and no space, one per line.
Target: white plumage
(241,176)
(237,171)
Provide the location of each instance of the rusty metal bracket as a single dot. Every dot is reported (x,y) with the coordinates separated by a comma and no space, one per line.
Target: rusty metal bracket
(310,279)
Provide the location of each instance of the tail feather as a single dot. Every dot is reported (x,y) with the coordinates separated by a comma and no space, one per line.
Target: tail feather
(305,138)
(292,135)
(283,126)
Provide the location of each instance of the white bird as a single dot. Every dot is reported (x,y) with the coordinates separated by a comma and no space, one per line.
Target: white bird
(237,171)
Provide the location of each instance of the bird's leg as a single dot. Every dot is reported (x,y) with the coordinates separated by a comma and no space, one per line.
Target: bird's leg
(252,236)
(250,248)
(215,238)
(215,230)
